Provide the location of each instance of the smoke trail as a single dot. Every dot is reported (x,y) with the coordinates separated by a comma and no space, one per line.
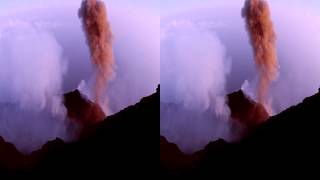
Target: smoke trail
(262,36)
(99,39)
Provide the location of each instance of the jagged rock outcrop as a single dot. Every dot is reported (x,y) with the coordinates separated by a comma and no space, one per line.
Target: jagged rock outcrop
(82,110)
(246,111)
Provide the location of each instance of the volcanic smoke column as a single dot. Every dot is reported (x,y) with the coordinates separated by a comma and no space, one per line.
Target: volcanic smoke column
(262,36)
(99,38)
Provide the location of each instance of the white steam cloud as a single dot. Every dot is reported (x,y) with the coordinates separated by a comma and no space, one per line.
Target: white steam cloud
(31,71)
(194,66)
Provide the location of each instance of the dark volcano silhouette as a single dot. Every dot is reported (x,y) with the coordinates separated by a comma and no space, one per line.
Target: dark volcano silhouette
(10,158)
(288,140)
(171,158)
(119,145)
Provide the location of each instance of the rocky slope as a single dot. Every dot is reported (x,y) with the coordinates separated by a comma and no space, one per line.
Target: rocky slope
(288,140)
(120,143)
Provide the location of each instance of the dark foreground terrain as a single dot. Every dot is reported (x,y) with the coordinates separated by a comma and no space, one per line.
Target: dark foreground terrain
(286,143)
(118,146)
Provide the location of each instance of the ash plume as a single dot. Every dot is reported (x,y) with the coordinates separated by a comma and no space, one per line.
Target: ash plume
(263,38)
(99,38)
